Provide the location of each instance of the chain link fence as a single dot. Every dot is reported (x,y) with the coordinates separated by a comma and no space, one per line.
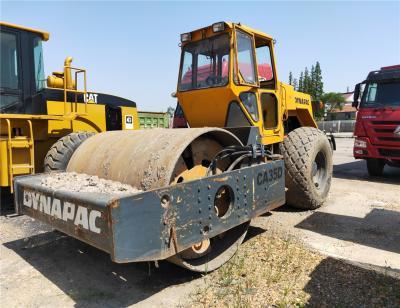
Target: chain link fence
(338,126)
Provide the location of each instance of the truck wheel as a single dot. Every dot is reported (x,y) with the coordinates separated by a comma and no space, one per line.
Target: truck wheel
(375,166)
(60,153)
(308,163)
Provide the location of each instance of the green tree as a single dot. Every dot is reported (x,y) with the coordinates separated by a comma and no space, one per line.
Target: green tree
(290,78)
(332,101)
(312,83)
(171,111)
(301,83)
(319,85)
(306,81)
(295,84)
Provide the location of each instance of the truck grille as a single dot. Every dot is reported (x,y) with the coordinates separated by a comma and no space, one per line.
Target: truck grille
(384,130)
(386,122)
(389,152)
(381,133)
(394,139)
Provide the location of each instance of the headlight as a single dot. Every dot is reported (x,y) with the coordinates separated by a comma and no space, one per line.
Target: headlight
(358,143)
(186,37)
(218,26)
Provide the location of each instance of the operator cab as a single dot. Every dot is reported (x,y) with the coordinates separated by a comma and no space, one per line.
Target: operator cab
(230,68)
(22,70)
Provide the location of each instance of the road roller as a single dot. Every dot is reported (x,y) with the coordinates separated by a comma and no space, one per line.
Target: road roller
(251,145)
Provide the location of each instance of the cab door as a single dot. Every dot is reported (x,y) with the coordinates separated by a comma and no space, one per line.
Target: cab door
(269,98)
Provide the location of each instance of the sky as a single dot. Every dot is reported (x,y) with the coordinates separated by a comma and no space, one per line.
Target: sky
(131,49)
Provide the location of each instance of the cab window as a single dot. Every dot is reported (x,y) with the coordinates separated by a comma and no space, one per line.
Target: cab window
(38,61)
(264,63)
(9,81)
(269,105)
(245,59)
(9,64)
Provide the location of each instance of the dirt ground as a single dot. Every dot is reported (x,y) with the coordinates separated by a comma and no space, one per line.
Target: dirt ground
(360,223)
(361,220)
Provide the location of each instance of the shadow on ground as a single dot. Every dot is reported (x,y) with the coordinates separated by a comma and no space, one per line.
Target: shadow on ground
(6,202)
(89,277)
(379,229)
(357,170)
(334,283)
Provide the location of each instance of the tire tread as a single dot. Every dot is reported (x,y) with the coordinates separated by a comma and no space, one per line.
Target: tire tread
(60,153)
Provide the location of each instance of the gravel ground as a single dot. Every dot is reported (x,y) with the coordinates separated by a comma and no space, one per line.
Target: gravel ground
(275,270)
(80,182)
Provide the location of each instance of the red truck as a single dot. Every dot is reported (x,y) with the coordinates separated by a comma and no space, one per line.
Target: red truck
(377,128)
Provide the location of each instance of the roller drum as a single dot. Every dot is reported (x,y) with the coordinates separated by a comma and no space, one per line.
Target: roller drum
(148,159)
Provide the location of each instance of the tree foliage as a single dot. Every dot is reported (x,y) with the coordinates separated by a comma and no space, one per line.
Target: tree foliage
(332,101)
(309,81)
(171,111)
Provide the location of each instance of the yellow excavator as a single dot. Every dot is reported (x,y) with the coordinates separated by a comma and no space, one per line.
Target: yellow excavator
(52,116)
(250,136)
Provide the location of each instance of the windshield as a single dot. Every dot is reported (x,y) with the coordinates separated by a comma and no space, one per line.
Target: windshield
(381,94)
(205,64)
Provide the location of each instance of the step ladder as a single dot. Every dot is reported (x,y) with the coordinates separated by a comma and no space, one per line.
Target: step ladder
(20,142)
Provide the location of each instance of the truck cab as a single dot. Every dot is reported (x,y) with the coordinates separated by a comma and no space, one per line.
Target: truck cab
(377,128)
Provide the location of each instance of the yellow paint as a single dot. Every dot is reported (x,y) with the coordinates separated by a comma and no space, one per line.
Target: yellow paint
(45,35)
(209,106)
(26,138)
(130,111)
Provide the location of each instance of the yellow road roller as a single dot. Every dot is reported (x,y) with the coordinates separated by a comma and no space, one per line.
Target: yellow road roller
(196,189)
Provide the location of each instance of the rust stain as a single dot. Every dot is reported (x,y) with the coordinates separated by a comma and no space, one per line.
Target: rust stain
(224,179)
(173,239)
(114,204)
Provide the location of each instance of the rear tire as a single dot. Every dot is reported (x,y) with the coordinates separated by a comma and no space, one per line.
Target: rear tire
(60,153)
(308,163)
(375,166)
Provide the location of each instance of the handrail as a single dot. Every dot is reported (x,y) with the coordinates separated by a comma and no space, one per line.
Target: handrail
(75,91)
(285,109)
(32,146)
(10,171)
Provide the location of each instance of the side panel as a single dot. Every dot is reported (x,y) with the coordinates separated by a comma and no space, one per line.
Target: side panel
(84,216)
(152,230)
(94,121)
(127,114)
(159,223)
(298,104)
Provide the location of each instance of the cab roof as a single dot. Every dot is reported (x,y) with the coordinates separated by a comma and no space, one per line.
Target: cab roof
(246,28)
(45,35)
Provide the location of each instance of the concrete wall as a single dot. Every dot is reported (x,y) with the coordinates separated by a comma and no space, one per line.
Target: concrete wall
(340,126)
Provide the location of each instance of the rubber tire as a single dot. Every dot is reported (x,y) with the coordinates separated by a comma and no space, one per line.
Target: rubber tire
(375,166)
(299,149)
(60,153)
